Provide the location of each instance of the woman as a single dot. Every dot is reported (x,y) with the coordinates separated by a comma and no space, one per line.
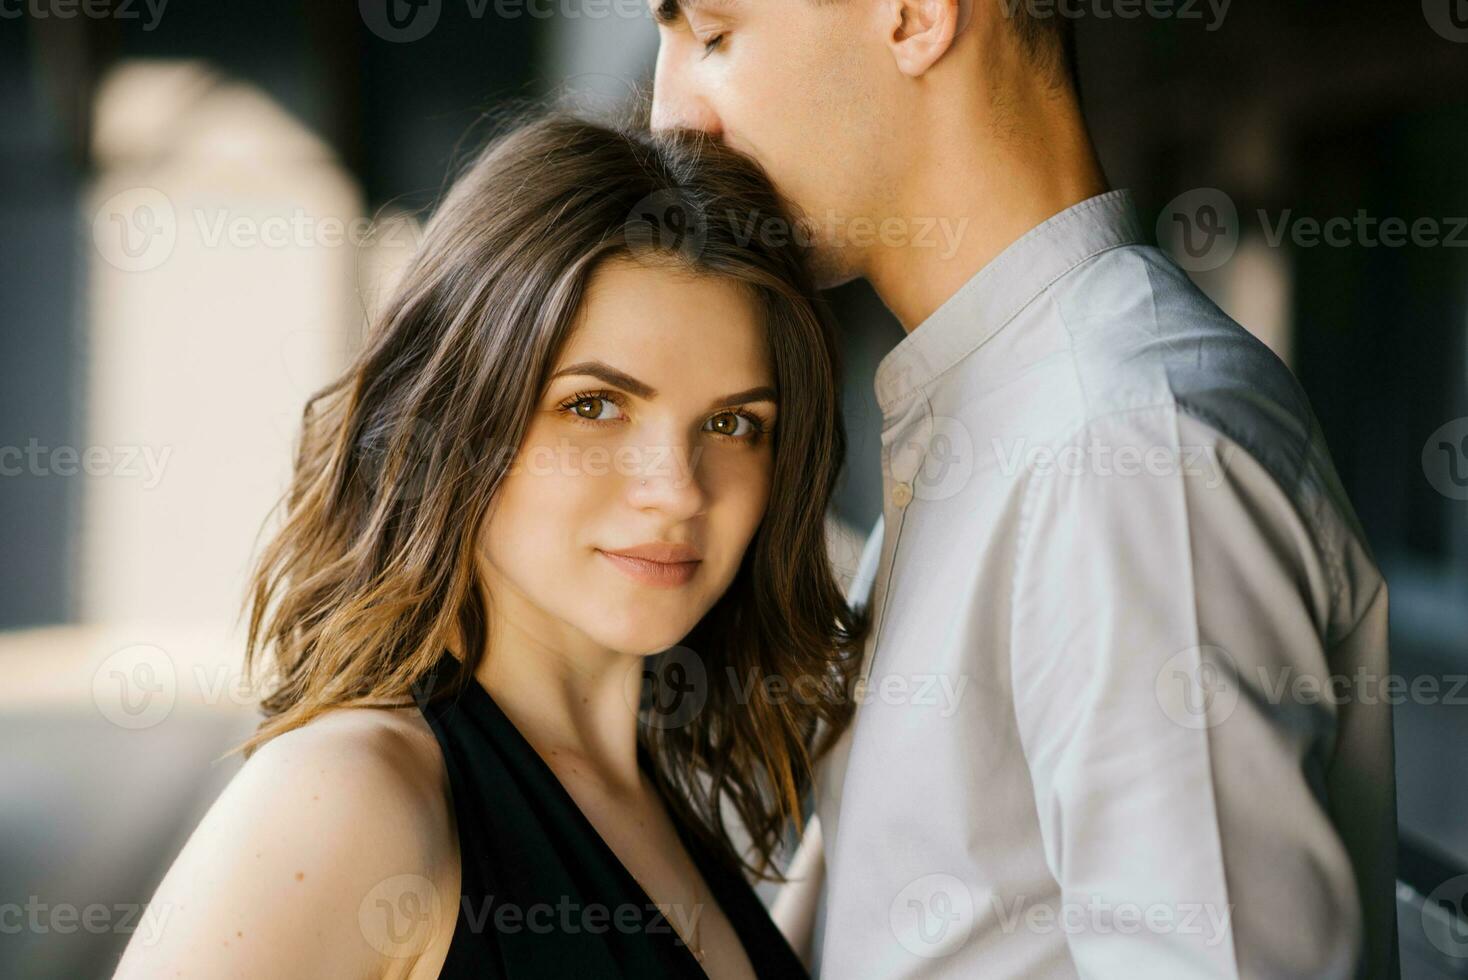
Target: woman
(551,600)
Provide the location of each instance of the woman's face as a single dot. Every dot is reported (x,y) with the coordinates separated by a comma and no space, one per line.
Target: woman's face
(645,470)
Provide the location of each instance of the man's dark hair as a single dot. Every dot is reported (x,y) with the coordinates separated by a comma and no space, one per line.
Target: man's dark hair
(1047,35)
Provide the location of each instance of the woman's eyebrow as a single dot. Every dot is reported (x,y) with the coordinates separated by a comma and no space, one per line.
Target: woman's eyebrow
(763,393)
(609,374)
(605,372)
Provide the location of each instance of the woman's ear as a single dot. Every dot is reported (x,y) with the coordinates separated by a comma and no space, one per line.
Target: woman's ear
(922,31)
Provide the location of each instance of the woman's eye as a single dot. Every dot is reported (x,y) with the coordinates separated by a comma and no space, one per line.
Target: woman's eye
(730,424)
(596,409)
(713,43)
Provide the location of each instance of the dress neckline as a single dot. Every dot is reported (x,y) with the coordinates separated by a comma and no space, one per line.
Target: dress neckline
(695,851)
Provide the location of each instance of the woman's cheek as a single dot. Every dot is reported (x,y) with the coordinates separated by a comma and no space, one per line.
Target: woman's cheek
(741,479)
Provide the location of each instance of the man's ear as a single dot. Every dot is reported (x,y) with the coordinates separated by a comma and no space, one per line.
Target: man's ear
(922,31)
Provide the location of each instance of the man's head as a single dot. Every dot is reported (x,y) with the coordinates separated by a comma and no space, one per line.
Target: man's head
(844,101)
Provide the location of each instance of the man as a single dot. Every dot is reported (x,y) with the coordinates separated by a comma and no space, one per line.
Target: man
(1111,530)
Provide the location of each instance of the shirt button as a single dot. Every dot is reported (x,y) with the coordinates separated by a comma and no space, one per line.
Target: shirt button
(902,494)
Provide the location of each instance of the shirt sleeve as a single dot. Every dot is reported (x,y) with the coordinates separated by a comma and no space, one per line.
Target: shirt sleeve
(1169,619)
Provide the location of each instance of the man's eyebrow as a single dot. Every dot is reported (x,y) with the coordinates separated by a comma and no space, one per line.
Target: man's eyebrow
(669,11)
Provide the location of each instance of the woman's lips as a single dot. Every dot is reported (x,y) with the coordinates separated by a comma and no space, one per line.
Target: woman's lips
(659,574)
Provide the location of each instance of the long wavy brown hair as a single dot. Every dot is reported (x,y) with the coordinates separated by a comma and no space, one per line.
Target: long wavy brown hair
(371,574)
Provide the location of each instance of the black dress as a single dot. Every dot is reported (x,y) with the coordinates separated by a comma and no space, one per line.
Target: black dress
(543,895)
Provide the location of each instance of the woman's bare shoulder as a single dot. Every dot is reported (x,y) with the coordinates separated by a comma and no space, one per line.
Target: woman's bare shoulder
(395,745)
(331,853)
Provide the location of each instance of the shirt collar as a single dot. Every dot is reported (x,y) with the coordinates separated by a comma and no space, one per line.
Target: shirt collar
(1001,289)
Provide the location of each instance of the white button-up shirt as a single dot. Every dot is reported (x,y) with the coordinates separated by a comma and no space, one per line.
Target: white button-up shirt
(1124,710)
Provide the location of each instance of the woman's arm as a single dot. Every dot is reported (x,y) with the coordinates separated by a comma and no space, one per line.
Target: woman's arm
(324,857)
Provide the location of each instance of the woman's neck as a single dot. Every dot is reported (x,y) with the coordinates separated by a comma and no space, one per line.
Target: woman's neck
(573,700)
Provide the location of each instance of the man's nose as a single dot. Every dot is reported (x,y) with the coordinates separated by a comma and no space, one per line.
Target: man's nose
(677,103)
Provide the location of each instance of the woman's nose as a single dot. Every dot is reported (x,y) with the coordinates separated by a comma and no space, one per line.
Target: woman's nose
(665,478)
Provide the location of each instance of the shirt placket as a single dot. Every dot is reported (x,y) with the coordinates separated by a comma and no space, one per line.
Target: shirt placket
(902,461)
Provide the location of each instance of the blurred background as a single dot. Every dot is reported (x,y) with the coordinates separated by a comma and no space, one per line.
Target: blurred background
(202,201)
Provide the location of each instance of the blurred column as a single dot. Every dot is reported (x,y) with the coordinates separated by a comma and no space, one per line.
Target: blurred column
(600,53)
(223,291)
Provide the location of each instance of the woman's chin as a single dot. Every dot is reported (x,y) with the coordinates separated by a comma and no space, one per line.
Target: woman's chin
(642,639)
(650,646)
(640,626)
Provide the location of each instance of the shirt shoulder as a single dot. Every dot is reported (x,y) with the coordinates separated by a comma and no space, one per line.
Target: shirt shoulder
(1142,342)
(1138,334)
